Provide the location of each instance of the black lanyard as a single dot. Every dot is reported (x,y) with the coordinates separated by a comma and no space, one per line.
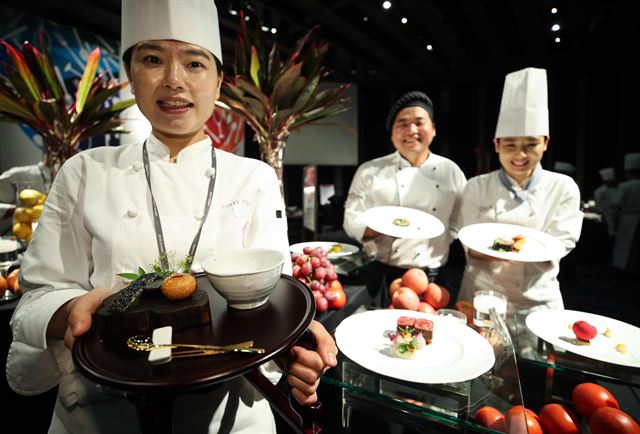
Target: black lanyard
(156,216)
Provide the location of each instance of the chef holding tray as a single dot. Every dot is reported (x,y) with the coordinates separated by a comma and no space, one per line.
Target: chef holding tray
(521,193)
(103,217)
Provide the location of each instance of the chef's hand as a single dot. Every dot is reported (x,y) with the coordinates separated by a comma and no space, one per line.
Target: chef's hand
(73,318)
(308,366)
(370,234)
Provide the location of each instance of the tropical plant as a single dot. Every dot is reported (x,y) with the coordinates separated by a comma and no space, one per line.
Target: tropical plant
(276,97)
(31,93)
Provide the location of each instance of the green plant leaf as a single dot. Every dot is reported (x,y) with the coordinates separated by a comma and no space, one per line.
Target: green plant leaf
(87,79)
(130,276)
(255,67)
(22,69)
(286,87)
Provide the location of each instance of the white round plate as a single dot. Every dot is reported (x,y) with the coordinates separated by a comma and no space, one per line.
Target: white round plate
(538,247)
(345,249)
(457,352)
(554,326)
(419,224)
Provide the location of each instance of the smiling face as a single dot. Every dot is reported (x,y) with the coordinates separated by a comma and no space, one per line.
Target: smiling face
(412,133)
(519,156)
(175,85)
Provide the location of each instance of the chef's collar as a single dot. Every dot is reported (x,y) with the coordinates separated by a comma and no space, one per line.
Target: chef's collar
(529,185)
(191,152)
(403,163)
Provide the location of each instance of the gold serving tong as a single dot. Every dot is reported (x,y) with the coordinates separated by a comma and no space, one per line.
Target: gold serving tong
(145,343)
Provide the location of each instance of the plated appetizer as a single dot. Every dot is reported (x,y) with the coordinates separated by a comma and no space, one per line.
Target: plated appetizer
(514,244)
(411,335)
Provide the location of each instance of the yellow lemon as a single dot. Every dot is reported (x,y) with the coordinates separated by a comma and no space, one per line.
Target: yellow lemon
(36,211)
(30,197)
(43,197)
(22,231)
(22,215)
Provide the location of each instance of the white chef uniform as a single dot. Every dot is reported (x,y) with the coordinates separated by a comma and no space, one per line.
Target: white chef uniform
(98,222)
(604,196)
(551,205)
(391,180)
(627,203)
(36,176)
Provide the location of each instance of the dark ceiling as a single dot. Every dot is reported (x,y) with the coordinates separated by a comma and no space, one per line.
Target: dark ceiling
(472,40)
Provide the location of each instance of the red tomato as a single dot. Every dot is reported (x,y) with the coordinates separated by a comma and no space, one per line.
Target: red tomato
(12,278)
(588,397)
(335,285)
(416,279)
(558,419)
(515,420)
(608,420)
(491,418)
(405,298)
(338,301)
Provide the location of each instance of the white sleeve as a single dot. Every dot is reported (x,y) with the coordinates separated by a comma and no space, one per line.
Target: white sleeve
(267,226)
(565,223)
(55,269)
(358,201)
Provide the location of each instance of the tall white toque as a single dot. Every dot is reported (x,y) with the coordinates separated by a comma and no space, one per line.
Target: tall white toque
(524,110)
(191,21)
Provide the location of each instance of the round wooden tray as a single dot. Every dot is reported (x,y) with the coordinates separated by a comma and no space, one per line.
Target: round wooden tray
(274,326)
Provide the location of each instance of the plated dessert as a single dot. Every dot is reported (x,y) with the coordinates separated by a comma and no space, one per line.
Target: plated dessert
(514,244)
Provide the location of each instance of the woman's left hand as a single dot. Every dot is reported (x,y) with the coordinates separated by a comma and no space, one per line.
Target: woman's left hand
(308,365)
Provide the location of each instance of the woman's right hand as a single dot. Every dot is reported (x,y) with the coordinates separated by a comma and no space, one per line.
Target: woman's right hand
(73,319)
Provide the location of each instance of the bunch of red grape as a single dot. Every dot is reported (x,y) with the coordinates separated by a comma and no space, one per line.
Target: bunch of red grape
(314,269)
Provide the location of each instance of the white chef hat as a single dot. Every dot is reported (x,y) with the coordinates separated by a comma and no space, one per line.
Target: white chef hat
(523,110)
(566,168)
(607,174)
(191,21)
(632,161)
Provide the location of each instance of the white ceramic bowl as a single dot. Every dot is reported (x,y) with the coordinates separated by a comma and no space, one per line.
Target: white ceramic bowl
(245,277)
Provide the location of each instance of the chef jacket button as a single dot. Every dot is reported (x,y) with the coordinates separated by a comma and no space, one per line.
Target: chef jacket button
(136,166)
(433,209)
(199,215)
(210,172)
(433,168)
(437,186)
(132,213)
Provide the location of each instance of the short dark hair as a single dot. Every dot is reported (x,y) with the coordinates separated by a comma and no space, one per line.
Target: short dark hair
(126,58)
(410,99)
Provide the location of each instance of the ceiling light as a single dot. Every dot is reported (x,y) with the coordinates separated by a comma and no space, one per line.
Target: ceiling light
(274,30)
(555,27)
(429,47)
(554,10)
(365,19)
(557,40)
(233,12)
(264,28)
(247,17)
(386,4)
(404,20)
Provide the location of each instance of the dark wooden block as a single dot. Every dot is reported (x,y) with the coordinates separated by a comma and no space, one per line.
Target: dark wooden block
(153,310)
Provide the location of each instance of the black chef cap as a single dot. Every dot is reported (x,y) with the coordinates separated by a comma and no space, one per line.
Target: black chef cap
(411,99)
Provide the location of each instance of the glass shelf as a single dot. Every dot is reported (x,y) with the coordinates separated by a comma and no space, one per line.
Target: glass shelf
(416,405)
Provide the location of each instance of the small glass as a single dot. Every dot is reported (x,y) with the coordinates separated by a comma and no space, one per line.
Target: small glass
(452,315)
(483,301)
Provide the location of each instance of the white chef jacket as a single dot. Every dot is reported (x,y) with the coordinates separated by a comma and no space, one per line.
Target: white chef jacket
(391,180)
(552,206)
(97,222)
(604,197)
(627,204)
(36,176)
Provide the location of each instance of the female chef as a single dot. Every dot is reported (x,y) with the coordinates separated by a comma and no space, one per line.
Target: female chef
(522,193)
(99,221)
